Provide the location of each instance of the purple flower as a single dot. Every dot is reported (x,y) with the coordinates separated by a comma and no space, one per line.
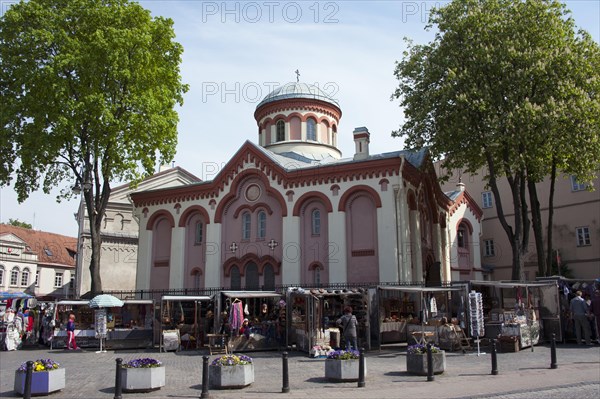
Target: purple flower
(142,363)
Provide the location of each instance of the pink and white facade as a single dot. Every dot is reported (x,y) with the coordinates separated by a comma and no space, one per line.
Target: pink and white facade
(291,210)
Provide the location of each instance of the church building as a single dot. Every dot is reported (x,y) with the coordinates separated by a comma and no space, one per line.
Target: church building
(289,209)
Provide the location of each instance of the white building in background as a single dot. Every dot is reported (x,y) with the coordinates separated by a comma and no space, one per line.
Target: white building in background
(119,233)
(37,262)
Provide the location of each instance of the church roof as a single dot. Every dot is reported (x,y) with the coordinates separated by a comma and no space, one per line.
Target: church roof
(294,160)
(297,90)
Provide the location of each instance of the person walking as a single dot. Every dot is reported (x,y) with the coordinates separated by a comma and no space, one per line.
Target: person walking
(579,313)
(348,323)
(71,344)
(595,309)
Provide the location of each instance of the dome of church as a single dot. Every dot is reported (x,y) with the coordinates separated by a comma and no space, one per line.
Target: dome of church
(297,90)
(299,118)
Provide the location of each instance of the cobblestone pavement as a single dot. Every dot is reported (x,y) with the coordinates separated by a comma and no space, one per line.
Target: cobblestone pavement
(524,374)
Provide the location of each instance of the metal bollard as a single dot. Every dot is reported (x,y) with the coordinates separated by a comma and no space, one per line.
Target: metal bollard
(553,364)
(118,387)
(27,387)
(361,368)
(286,378)
(430,376)
(204,393)
(494,358)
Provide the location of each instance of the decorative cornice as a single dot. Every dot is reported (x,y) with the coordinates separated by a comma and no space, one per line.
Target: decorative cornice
(305,104)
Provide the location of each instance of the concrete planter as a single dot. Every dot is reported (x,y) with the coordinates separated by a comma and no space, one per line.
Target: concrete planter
(42,382)
(342,370)
(231,377)
(144,379)
(417,364)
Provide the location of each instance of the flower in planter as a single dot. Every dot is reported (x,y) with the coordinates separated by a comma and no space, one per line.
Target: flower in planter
(231,360)
(420,349)
(40,365)
(344,354)
(142,363)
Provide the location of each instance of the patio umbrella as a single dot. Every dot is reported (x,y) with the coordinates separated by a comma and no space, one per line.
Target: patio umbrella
(105,301)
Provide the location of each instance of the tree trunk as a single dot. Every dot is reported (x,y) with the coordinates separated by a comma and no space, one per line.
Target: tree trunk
(550,256)
(536,216)
(519,236)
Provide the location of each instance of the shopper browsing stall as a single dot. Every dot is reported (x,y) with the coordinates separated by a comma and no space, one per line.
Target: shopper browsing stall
(348,324)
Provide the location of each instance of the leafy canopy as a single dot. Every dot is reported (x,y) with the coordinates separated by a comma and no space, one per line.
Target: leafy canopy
(85,85)
(507,81)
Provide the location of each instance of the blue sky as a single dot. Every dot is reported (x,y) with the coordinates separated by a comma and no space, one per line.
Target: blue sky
(236,52)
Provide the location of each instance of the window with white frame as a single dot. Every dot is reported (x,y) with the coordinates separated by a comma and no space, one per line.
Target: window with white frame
(488,248)
(246,225)
(72,282)
(199,233)
(25,277)
(576,186)
(14,276)
(583,236)
(316,222)
(262,225)
(58,280)
(37,278)
(311,129)
(1,276)
(486,199)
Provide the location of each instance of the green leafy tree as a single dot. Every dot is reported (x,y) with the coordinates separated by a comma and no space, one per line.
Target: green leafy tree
(18,223)
(88,90)
(510,87)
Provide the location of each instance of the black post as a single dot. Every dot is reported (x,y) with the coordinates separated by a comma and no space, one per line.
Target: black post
(361,368)
(494,358)
(553,364)
(204,393)
(430,376)
(286,378)
(118,387)
(27,387)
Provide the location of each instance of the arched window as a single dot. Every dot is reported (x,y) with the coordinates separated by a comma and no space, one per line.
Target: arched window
(251,276)
(461,236)
(246,224)
(25,277)
(262,225)
(196,278)
(269,277)
(14,276)
(199,233)
(311,129)
(316,222)
(317,275)
(280,130)
(236,279)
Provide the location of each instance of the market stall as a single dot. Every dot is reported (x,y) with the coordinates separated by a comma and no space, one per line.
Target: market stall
(415,314)
(127,327)
(313,314)
(266,314)
(16,319)
(566,291)
(185,321)
(520,312)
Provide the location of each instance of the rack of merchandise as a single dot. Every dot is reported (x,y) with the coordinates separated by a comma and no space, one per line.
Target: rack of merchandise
(267,320)
(414,314)
(520,311)
(182,321)
(313,314)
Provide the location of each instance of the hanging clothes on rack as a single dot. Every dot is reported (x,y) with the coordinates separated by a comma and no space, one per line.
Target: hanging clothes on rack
(236,316)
